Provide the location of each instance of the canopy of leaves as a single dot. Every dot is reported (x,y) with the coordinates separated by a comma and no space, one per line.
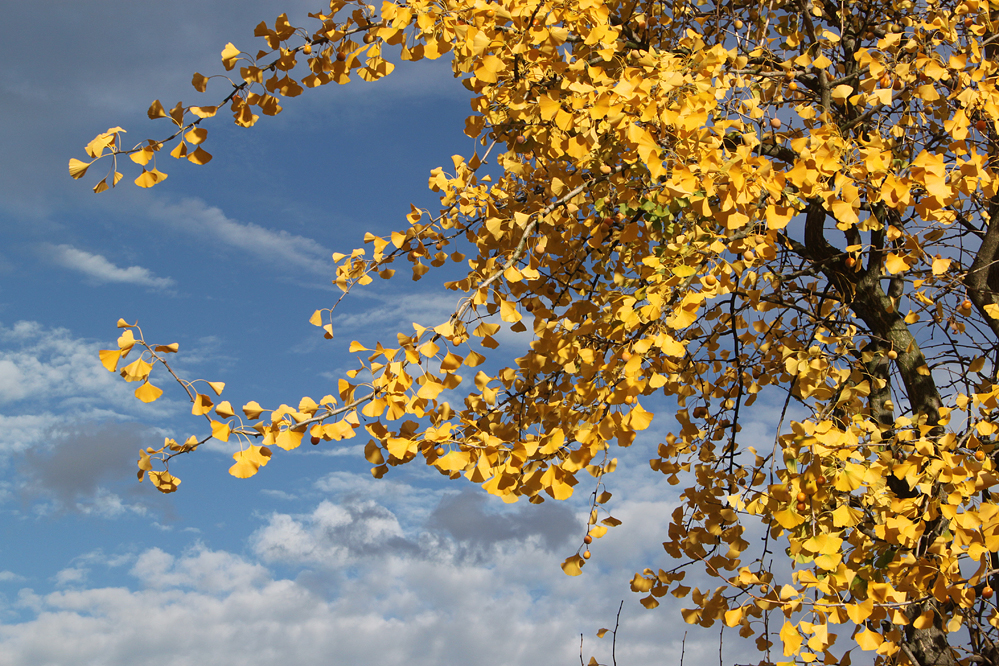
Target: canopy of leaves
(703,200)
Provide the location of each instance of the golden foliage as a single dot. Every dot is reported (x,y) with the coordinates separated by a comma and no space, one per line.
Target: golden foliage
(708,201)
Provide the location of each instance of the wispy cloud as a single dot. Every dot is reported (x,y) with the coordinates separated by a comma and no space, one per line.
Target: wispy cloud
(100,270)
(50,381)
(291,252)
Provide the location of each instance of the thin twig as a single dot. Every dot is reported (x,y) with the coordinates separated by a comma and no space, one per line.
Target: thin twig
(721,642)
(614,641)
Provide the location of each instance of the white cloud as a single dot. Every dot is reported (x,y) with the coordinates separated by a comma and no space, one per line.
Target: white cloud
(10,577)
(332,535)
(289,251)
(107,504)
(100,270)
(200,568)
(50,381)
(216,607)
(71,576)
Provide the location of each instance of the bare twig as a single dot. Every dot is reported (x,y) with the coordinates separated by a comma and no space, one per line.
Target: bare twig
(617,622)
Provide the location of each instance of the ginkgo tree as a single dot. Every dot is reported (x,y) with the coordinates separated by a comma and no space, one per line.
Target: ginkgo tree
(704,200)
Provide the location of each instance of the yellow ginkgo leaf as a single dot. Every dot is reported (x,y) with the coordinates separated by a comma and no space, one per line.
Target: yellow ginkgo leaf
(147,392)
(573,565)
(217,387)
(150,178)
(224,409)
(841,93)
(488,69)
(164,481)
(242,469)
(258,455)
(101,142)
(200,156)
(289,439)
(137,370)
(791,639)
(869,640)
(156,110)
(203,111)
(924,620)
(859,612)
(77,168)
(339,431)
(142,156)
(221,431)
(253,410)
(126,340)
(200,82)
(638,418)
(202,405)
(229,56)
(895,264)
(110,358)
(940,265)
(249,461)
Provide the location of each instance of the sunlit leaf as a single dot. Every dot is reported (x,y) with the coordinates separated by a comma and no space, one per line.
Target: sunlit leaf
(78,169)
(110,358)
(147,392)
(150,178)
(791,639)
(252,410)
(221,431)
(202,405)
(224,409)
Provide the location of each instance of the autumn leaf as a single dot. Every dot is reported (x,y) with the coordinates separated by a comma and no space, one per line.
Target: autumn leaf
(896,264)
(150,178)
(202,405)
(78,169)
(791,639)
(573,565)
(109,358)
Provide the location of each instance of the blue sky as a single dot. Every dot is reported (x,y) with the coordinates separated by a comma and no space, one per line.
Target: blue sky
(312,561)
